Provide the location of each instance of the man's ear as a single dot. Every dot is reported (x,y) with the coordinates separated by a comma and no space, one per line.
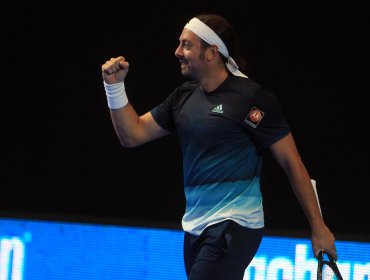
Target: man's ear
(211,53)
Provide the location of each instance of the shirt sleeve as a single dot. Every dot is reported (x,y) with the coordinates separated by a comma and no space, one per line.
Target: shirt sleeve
(162,113)
(165,113)
(265,119)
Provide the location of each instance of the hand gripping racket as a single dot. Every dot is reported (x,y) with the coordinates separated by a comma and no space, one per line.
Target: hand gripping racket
(327,268)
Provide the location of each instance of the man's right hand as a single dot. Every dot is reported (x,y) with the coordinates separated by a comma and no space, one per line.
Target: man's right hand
(115,70)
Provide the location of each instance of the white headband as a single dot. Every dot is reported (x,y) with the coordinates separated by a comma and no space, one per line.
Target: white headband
(208,35)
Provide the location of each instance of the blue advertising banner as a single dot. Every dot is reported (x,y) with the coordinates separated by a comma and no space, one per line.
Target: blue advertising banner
(35,249)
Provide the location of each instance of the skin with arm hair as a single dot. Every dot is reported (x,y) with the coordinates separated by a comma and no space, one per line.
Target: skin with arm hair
(286,154)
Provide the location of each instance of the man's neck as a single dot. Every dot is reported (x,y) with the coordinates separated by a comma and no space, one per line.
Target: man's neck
(212,81)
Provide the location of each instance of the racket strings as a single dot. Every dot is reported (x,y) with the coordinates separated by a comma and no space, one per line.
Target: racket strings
(328,273)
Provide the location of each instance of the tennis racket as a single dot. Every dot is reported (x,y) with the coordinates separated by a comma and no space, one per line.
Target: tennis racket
(327,268)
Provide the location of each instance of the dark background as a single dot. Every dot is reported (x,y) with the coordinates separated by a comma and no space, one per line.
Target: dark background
(61,158)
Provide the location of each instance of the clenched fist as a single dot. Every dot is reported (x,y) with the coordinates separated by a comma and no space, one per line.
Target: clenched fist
(115,70)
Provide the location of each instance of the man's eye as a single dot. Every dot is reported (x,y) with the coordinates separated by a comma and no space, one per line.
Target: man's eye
(186,45)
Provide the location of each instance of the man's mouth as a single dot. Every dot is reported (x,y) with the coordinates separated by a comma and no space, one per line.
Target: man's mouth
(183,64)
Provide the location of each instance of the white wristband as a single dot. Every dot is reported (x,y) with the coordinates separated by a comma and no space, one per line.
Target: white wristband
(116,95)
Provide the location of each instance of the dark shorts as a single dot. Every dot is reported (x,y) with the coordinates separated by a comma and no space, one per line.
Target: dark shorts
(222,252)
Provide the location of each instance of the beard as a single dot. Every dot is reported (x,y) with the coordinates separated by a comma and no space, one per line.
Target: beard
(188,73)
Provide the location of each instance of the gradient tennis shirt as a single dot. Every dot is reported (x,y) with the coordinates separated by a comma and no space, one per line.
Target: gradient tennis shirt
(222,136)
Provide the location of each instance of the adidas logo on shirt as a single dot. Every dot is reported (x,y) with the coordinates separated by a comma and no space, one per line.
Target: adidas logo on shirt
(218,109)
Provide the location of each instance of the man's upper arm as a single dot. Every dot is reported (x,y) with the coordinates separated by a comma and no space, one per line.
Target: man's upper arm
(150,128)
(286,154)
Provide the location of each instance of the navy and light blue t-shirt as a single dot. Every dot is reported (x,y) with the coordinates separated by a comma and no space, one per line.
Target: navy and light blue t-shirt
(222,135)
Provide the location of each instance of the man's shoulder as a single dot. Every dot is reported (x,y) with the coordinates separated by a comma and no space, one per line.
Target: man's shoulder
(247,82)
(244,86)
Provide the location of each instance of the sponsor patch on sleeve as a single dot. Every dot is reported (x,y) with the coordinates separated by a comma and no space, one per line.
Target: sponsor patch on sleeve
(254,117)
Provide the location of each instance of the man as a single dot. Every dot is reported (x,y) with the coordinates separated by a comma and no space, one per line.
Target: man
(224,122)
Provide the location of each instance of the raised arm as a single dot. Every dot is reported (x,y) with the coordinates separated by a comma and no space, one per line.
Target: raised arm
(286,154)
(132,130)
